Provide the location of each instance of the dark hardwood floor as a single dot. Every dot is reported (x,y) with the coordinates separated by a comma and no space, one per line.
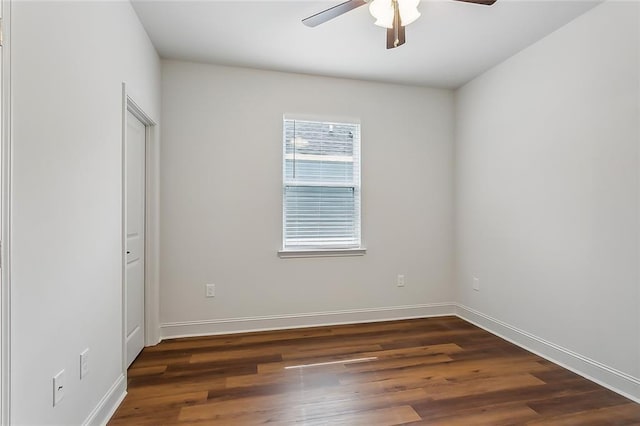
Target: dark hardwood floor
(436,371)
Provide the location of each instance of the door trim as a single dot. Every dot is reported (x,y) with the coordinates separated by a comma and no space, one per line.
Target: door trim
(5,218)
(152,207)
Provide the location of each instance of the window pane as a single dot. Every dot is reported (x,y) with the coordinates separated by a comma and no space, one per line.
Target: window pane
(321,169)
(320,152)
(320,216)
(315,137)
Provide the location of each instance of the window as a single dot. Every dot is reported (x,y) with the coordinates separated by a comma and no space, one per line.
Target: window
(321,186)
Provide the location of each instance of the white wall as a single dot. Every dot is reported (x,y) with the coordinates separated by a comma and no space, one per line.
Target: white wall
(547,192)
(221,196)
(69,61)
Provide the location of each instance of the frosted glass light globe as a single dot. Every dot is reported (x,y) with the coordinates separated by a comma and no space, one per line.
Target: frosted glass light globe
(383,11)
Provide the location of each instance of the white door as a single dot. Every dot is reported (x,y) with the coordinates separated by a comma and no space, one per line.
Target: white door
(135,159)
(4,284)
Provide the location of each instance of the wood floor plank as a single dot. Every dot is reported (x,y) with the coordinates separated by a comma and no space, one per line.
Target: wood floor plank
(329,352)
(145,390)
(619,415)
(469,387)
(146,371)
(306,407)
(133,407)
(385,416)
(570,404)
(434,371)
(446,369)
(498,415)
(443,407)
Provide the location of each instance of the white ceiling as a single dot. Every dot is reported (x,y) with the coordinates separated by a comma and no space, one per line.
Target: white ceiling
(451,42)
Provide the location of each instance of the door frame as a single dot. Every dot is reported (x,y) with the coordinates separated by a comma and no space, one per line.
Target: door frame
(152,208)
(5,217)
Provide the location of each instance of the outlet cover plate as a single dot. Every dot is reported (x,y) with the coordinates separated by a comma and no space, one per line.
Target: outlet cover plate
(210,290)
(84,363)
(476,284)
(58,388)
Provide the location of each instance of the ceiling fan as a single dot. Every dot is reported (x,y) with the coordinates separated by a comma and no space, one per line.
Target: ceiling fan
(394,15)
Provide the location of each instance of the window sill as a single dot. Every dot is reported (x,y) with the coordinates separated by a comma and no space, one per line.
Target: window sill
(287,254)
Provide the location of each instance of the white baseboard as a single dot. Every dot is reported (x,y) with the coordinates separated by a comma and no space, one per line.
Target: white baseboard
(108,404)
(617,381)
(313,319)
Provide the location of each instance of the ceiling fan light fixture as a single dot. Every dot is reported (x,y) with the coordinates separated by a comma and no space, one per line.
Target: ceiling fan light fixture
(383,11)
(408,11)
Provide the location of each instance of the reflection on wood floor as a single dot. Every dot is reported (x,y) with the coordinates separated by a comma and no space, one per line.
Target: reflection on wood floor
(435,371)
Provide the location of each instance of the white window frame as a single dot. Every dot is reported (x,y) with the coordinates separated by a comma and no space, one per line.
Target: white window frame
(285,252)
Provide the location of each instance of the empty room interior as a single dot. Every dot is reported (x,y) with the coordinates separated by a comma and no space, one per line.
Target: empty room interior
(320,212)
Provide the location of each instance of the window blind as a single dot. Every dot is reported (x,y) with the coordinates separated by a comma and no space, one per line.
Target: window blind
(321,201)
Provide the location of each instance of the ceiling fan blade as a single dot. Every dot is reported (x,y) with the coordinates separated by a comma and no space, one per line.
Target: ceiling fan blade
(484,2)
(395,40)
(395,34)
(332,12)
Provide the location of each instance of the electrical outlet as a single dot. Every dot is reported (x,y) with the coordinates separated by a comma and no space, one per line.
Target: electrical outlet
(400,281)
(210,290)
(58,388)
(476,284)
(84,363)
